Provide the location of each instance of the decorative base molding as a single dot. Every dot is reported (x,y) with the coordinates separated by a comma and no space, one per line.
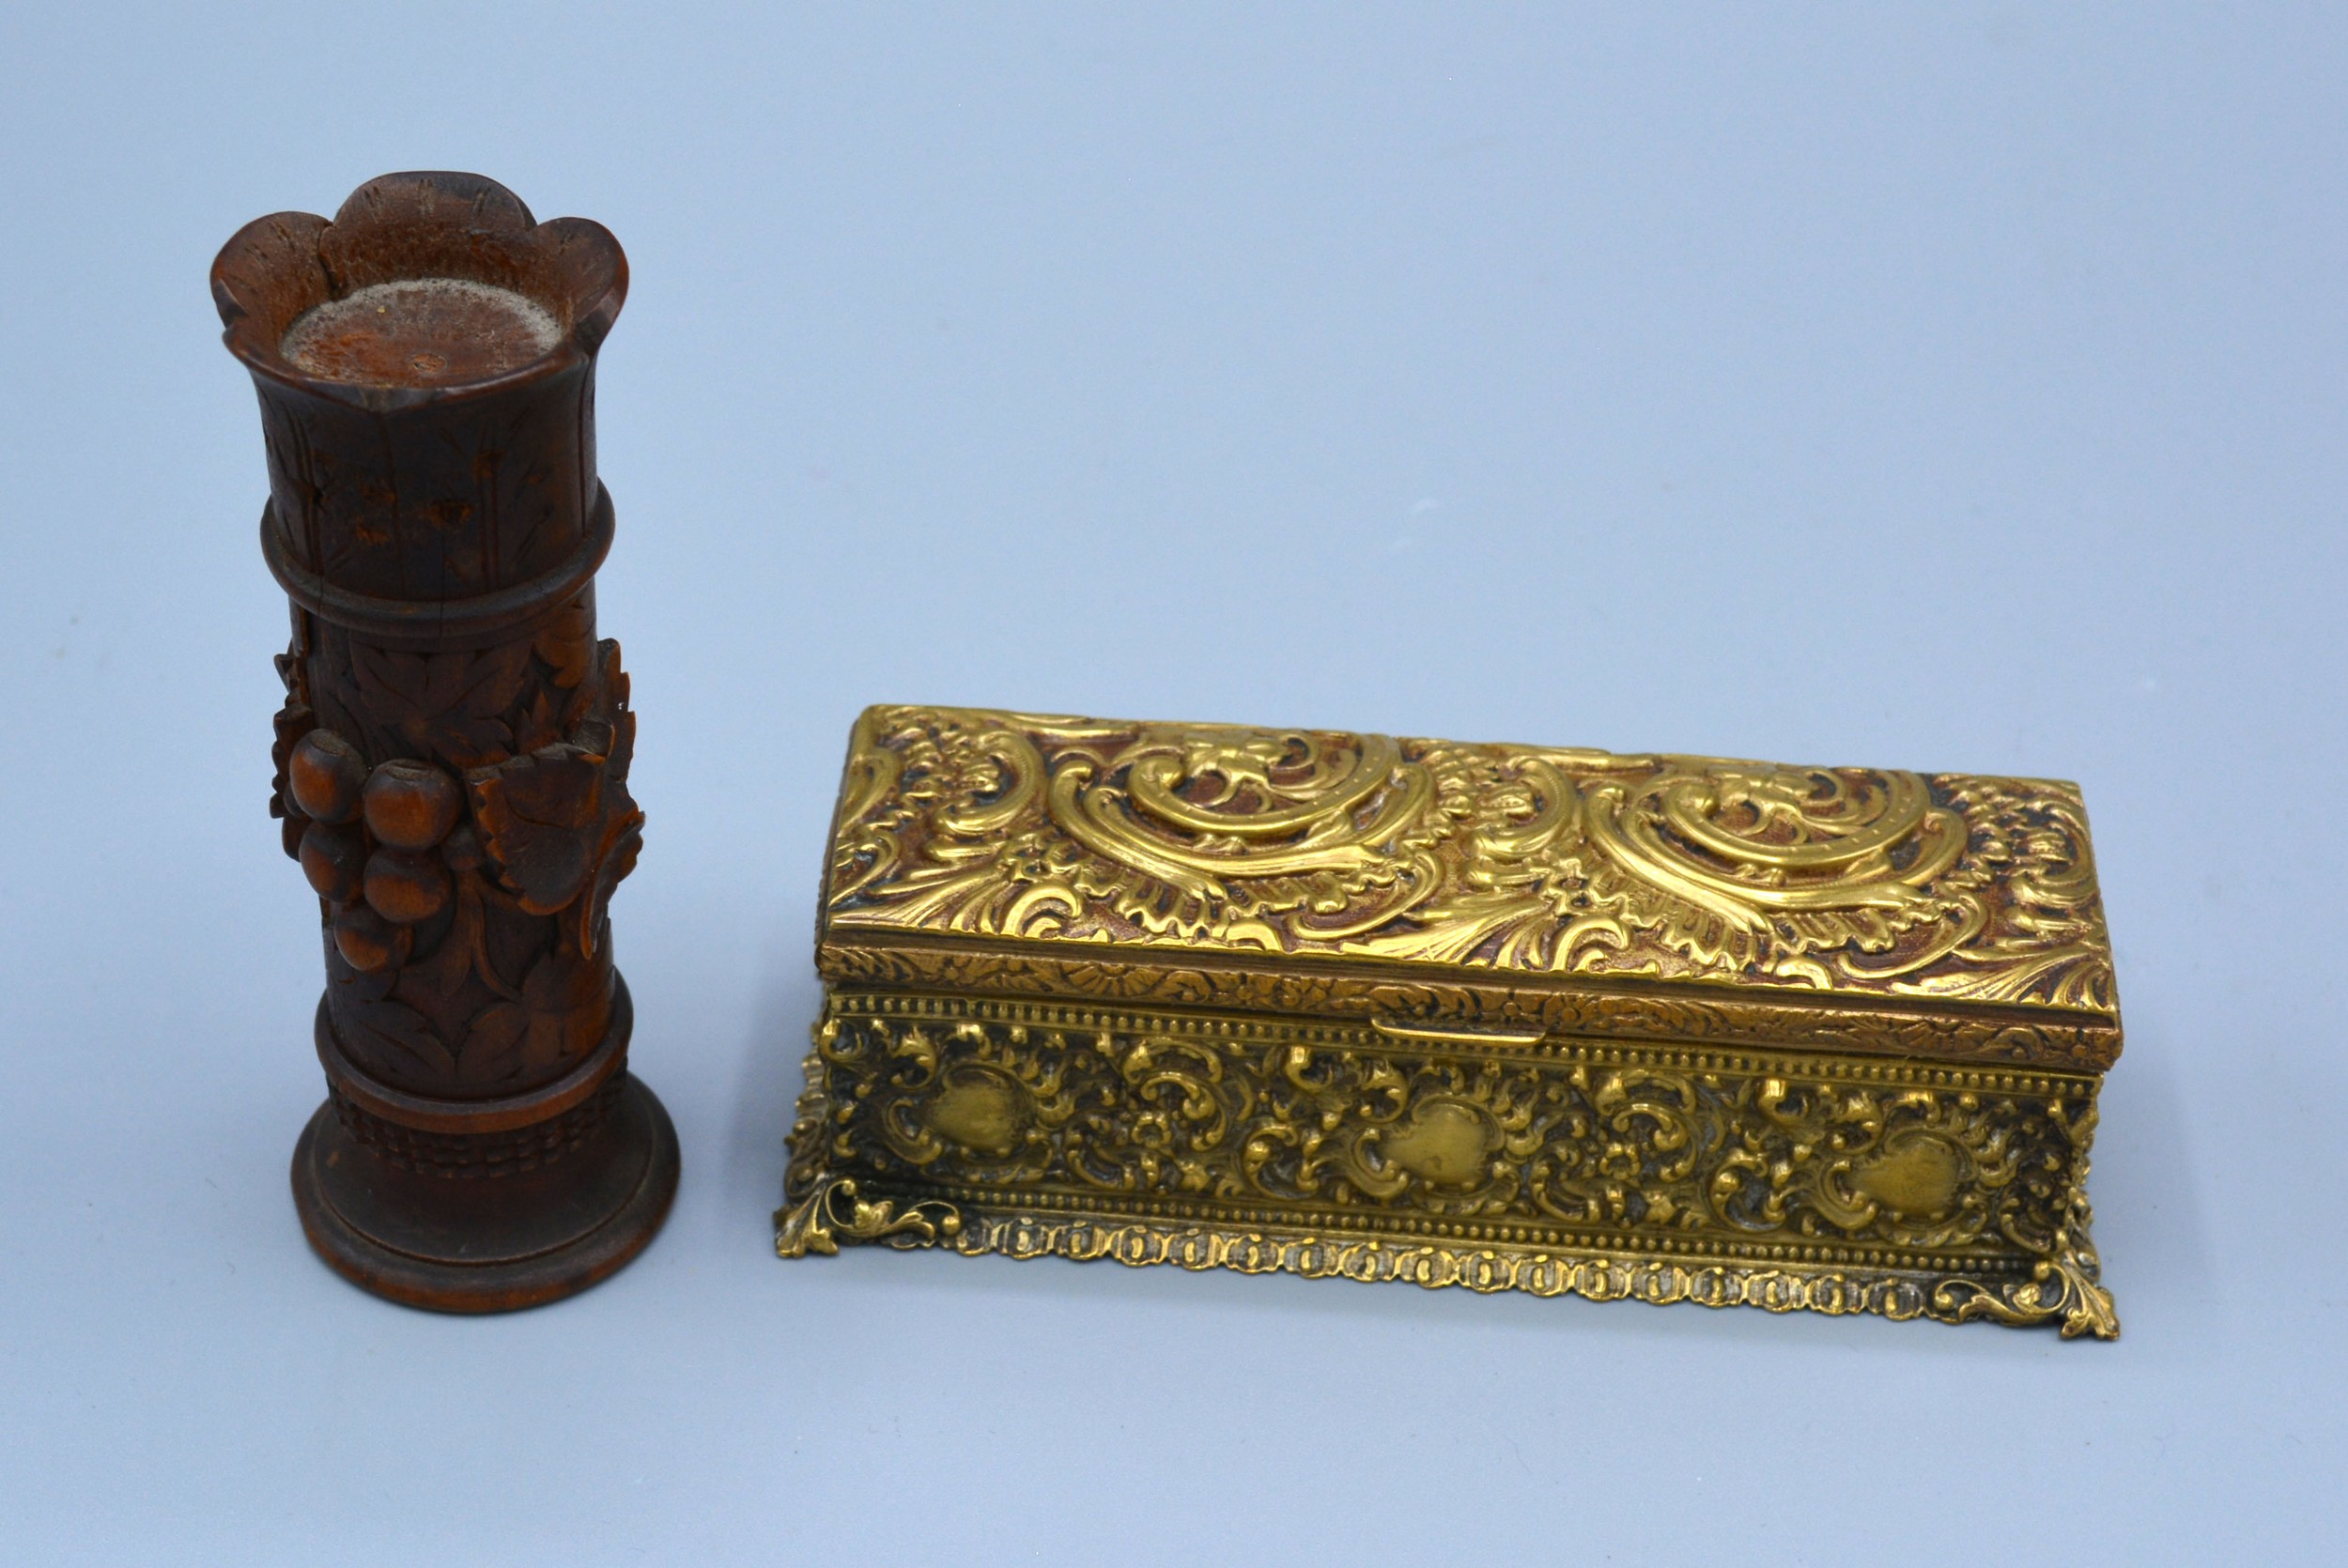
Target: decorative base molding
(2063,1292)
(487,1243)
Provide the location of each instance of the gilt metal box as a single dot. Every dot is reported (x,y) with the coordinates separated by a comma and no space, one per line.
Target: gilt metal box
(1671,1028)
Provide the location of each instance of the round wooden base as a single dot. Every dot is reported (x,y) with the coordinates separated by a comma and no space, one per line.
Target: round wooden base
(487,1244)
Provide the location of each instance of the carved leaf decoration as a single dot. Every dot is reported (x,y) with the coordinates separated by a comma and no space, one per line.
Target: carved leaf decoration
(558,1006)
(508,946)
(539,723)
(294,720)
(567,642)
(396,1035)
(615,689)
(493,1043)
(559,993)
(623,839)
(365,987)
(447,946)
(292,665)
(595,735)
(450,705)
(354,722)
(537,813)
(623,745)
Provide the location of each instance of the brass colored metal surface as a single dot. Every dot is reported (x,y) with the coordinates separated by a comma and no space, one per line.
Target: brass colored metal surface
(1506,1017)
(1942,915)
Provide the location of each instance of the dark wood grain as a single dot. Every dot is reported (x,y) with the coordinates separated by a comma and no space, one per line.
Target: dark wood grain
(452,752)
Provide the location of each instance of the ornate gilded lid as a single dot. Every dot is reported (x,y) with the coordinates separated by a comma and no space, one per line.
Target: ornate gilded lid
(1429,884)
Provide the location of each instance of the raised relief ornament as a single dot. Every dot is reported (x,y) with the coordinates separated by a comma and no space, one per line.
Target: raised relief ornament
(452,755)
(1671,1028)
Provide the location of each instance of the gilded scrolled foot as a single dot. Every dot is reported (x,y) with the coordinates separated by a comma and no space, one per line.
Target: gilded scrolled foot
(2066,1289)
(2055,1293)
(832,1212)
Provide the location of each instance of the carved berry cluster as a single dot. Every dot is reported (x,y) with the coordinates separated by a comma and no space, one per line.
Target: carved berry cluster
(380,846)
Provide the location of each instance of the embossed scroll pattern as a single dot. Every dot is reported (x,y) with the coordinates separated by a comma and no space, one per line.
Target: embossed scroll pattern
(1507,860)
(1664,1172)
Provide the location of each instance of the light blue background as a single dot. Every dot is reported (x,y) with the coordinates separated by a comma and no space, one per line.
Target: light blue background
(1956,387)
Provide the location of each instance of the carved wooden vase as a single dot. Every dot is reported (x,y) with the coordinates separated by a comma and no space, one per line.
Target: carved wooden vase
(453,753)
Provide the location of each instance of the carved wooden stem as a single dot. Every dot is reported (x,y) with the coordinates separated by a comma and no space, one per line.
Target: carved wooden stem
(453,753)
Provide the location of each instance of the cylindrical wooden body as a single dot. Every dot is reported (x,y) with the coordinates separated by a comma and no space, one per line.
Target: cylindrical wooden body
(452,754)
